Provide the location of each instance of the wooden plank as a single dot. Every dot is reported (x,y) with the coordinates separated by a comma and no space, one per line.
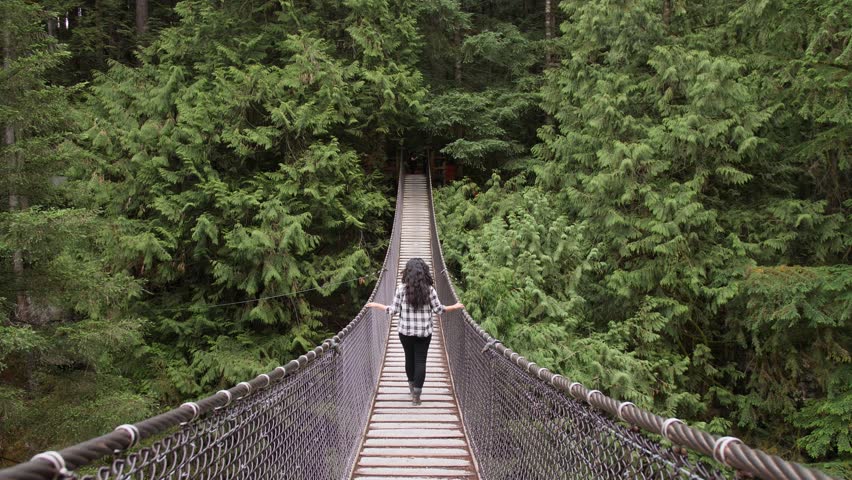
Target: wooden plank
(424,397)
(429,365)
(435,359)
(414,417)
(406,404)
(372,477)
(401,365)
(400,356)
(400,377)
(414,452)
(442,365)
(383,461)
(431,353)
(402,383)
(430,372)
(442,370)
(413,472)
(412,426)
(409,409)
(435,352)
(423,443)
(431,433)
(404,390)
(437,363)
(384,405)
(401,352)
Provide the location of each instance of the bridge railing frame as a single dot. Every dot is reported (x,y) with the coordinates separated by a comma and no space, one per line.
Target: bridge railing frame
(121,443)
(729,451)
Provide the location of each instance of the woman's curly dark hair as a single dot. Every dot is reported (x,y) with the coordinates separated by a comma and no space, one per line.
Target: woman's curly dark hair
(417,281)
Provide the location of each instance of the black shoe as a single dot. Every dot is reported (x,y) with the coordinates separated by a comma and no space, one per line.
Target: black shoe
(415,397)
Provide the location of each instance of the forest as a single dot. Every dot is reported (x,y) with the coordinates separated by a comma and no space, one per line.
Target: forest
(651,197)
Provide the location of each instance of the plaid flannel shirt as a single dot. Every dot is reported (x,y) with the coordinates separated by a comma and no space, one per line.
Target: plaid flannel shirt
(415,322)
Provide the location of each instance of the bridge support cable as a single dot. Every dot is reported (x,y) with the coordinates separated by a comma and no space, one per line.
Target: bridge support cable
(302,420)
(524,421)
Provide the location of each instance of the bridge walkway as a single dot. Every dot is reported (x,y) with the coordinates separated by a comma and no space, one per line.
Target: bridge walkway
(403,441)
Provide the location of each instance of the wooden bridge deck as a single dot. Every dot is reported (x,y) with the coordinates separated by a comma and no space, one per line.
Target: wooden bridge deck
(403,441)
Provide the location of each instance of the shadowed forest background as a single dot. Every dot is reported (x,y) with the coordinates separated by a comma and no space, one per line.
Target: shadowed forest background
(655,198)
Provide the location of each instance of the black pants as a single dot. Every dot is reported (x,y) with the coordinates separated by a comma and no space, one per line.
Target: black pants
(416,349)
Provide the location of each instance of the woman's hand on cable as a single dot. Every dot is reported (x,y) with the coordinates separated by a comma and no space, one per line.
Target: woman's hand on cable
(376,305)
(456,306)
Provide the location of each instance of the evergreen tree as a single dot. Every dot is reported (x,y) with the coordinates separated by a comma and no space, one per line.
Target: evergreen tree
(669,154)
(483,114)
(63,324)
(98,32)
(692,171)
(235,152)
(664,211)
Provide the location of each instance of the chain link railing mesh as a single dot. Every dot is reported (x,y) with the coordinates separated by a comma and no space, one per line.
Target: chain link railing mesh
(296,428)
(303,420)
(524,422)
(522,428)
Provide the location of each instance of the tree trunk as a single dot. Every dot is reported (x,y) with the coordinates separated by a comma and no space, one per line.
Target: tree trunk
(16,202)
(458,70)
(548,32)
(667,13)
(141,16)
(96,19)
(458,130)
(51,27)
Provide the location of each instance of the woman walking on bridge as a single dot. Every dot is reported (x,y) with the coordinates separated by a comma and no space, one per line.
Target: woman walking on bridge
(415,301)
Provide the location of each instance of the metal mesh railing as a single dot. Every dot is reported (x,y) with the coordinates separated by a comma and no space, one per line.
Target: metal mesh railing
(525,422)
(302,420)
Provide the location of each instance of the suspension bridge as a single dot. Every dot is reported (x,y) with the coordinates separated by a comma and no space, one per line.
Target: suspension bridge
(342,411)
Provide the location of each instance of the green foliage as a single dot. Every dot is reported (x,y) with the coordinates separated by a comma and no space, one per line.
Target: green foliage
(34,109)
(677,231)
(16,340)
(796,323)
(523,262)
(486,117)
(689,172)
(484,110)
(828,421)
(97,32)
(214,171)
(67,323)
(237,167)
(100,403)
